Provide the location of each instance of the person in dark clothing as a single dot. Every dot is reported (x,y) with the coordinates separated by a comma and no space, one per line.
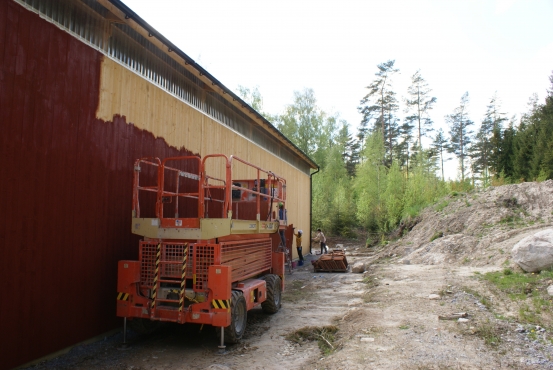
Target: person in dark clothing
(298,245)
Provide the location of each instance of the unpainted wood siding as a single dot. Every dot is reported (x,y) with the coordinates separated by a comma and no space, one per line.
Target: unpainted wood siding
(148,107)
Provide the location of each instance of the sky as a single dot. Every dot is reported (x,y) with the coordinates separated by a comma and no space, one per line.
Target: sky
(481,47)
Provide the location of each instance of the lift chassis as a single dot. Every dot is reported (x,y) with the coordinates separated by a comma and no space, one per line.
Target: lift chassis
(212,245)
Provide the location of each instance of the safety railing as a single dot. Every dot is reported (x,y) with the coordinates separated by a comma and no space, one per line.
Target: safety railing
(176,190)
(182,191)
(152,163)
(273,182)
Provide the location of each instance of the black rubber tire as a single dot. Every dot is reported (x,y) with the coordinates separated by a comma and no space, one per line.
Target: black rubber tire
(239,317)
(274,294)
(143,326)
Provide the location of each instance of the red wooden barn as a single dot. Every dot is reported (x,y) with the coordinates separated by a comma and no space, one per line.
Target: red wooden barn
(86,87)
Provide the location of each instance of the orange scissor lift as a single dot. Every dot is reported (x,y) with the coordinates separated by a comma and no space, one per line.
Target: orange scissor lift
(211,249)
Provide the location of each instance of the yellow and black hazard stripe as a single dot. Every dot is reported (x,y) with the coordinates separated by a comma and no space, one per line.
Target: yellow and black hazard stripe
(122,296)
(221,303)
(156,276)
(183,278)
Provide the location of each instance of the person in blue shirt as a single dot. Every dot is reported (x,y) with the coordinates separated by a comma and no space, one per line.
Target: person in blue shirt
(282,220)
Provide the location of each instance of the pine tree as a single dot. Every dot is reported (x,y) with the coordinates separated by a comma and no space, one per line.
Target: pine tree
(485,152)
(418,106)
(459,132)
(350,153)
(380,105)
(543,156)
(524,143)
(440,145)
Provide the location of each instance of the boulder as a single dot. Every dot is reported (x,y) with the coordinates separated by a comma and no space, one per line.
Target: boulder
(535,252)
(358,267)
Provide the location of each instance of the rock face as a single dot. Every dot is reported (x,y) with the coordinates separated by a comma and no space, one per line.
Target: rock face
(358,267)
(535,253)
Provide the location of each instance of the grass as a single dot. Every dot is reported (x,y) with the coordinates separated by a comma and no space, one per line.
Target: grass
(485,301)
(489,332)
(371,281)
(529,290)
(437,234)
(440,206)
(369,295)
(510,219)
(324,335)
(515,284)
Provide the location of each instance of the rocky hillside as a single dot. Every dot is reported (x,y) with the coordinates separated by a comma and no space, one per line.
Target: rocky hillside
(477,228)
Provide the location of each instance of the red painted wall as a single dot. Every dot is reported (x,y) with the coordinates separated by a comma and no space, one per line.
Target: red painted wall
(65,190)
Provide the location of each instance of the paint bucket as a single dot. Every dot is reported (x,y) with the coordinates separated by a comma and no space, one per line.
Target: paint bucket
(294,264)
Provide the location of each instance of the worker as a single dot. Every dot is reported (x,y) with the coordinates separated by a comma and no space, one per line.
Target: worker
(298,246)
(320,238)
(282,219)
(282,214)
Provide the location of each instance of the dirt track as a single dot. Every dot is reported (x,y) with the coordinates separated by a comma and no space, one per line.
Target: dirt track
(386,321)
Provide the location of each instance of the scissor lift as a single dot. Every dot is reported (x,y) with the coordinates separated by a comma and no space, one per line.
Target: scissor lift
(210,249)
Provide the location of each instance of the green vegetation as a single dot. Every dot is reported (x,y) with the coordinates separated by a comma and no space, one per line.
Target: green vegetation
(484,300)
(437,234)
(382,176)
(325,337)
(529,289)
(489,332)
(441,205)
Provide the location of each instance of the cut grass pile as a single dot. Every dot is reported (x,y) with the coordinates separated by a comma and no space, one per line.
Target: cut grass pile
(325,337)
